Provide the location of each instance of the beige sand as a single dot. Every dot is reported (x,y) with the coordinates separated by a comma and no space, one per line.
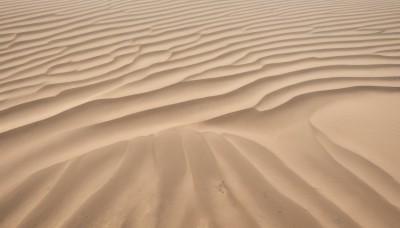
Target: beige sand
(183,113)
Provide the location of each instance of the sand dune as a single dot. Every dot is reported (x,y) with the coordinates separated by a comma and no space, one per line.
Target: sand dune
(179,113)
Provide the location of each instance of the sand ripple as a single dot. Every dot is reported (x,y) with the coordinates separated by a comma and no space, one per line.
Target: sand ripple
(231,113)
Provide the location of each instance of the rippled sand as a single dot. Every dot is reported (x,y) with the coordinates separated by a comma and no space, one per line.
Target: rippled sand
(183,113)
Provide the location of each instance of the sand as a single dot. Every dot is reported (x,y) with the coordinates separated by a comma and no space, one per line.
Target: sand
(183,113)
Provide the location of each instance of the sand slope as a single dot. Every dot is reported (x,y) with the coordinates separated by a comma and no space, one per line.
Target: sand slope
(232,113)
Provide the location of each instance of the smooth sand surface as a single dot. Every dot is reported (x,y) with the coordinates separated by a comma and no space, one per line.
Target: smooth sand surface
(184,113)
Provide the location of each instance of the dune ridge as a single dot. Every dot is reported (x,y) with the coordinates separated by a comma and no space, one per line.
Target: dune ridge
(180,113)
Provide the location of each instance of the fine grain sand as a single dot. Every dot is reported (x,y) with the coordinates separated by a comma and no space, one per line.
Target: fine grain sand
(184,113)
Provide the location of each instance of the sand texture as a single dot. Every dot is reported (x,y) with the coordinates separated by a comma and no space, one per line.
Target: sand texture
(210,113)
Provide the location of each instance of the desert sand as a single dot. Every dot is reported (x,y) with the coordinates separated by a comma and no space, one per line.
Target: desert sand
(183,113)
